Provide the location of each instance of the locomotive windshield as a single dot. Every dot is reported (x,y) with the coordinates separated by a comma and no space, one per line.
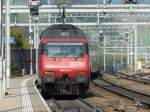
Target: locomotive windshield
(65,49)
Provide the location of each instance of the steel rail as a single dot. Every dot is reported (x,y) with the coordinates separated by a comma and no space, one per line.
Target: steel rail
(77,105)
(136,96)
(134,78)
(93,108)
(141,74)
(147,66)
(61,109)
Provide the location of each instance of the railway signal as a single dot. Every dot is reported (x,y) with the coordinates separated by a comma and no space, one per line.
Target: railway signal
(34,11)
(34,7)
(130,1)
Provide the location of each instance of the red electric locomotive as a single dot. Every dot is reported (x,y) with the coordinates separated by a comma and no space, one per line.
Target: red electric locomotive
(64,64)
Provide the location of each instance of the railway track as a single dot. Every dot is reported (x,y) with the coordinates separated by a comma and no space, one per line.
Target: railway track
(140,74)
(74,105)
(77,105)
(147,66)
(139,98)
(136,77)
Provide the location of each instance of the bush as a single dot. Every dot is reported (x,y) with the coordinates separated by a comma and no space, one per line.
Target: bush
(14,70)
(21,41)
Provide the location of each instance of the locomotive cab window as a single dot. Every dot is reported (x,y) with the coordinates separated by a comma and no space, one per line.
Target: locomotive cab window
(66,50)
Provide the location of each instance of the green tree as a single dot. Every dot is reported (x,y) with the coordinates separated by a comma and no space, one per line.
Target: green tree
(26,44)
(21,41)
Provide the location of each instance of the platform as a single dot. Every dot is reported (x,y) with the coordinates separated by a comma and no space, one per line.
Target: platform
(23,97)
(12,102)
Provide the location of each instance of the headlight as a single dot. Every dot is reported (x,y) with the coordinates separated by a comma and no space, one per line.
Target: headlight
(49,73)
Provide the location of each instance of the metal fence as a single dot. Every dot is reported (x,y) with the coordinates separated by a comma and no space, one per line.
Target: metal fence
(113,68)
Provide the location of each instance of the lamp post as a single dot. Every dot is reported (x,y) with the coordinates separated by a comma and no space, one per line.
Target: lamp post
(131,48)
(2,60)
(114,62)
(1,26)
(31,62)
(7,33)
(1,49)
(37,42)
(128,43)
(30,41)
(101,34)
(34,12)
(135,49)
(122,54)
(30,38)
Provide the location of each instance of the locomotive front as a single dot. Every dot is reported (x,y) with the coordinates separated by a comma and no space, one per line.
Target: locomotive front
(64,60)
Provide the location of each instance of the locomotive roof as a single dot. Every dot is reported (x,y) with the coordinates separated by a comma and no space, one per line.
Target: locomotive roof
(63,31)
